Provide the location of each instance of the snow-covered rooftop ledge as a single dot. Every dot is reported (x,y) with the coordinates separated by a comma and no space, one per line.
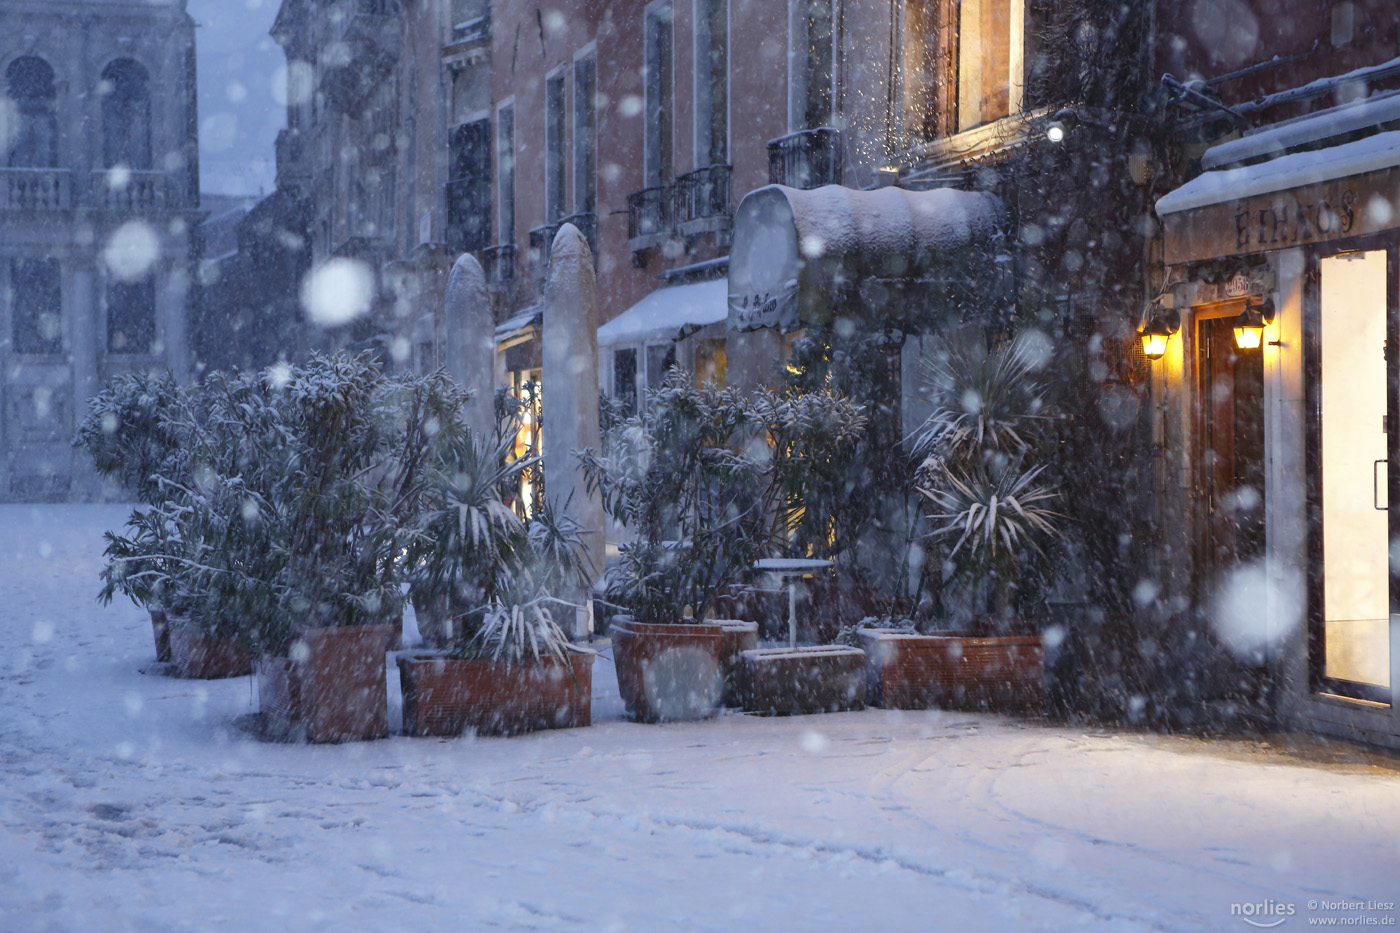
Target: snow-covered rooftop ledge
(1384,108)
(1371,154)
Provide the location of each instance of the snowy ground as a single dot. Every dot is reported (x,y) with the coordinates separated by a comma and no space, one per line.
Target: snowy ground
(130,800)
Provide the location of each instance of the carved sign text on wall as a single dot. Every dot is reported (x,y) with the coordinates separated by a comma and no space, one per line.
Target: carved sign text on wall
(1318,213)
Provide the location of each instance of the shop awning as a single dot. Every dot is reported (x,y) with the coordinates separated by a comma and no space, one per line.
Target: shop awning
(808,256)
(518,327)
(1327,194)
(664,313)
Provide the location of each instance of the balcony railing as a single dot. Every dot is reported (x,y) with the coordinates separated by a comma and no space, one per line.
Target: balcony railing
(702,200)
(124,190)
(475,29)
(587,225)
(806,159)
(498,262)
(541,242)
(649,217)
(35,189)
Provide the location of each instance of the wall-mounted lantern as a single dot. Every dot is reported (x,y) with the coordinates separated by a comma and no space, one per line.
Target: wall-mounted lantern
(1162,320)
(1155,337)
(1249,326)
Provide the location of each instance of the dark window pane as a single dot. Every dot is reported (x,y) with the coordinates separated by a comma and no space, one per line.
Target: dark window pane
(126,115)
(625,378)
(131,317)
(29,82)
(469,186)
(660,358)
(36,314)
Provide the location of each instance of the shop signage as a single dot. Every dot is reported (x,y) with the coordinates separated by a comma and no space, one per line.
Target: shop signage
(1320,213)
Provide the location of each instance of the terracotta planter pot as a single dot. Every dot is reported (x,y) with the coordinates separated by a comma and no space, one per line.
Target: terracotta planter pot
(906,671)
(442,696)
(818,679)
(206,657)
(160,628)
(735,636)
(332,689)
(667,672)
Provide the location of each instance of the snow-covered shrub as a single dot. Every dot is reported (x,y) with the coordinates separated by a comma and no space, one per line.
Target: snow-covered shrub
(130,433)
(695,502)
(712,480)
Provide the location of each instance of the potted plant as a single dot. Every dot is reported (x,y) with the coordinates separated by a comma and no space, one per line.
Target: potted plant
(509,668)
(152,565)
(990,504)
(670,475)
(339,488)
(812,434)
(129,435)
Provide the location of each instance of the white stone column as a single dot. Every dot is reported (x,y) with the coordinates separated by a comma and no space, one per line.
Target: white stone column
(570,393)
(470,337)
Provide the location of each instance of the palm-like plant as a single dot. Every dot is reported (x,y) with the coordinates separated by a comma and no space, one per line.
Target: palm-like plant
(989,501)
(983,401)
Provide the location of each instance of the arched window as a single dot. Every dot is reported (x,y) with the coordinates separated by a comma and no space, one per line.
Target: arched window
(30,85)
(126,115)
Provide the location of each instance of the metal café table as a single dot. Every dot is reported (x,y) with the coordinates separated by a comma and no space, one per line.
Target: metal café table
(791,570)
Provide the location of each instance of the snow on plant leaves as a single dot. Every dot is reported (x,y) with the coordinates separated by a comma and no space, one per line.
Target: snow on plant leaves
(132,250)
(337,292)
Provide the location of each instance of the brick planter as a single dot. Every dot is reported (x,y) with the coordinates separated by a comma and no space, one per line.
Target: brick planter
(905,671)
(332,689)
(206,657)
(160,628)
(819,679)
(735,636)
(442,696)
(667,672)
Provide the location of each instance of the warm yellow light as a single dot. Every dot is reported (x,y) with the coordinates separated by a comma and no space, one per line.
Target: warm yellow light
(1248,336)
(1154,343)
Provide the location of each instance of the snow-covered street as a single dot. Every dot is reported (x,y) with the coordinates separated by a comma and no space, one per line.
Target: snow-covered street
(132,800)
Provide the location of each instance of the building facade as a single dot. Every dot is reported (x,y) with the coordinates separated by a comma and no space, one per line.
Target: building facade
(1277,393)
(1254,180)
(98,200)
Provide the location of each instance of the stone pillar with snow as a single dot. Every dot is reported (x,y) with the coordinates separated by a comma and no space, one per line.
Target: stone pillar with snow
(570,396)
(470,337)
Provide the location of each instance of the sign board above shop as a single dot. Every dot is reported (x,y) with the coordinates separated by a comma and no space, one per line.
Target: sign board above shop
(806,256)
(1310,198)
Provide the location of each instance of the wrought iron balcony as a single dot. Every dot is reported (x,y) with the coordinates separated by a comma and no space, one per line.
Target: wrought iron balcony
(587,225)
(541,242)
(35,189)
(498,262)
(806,159)
(702,200)
(125,190)
(649,217)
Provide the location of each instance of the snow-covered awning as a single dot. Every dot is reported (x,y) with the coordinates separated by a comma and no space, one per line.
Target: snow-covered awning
(517,327)
(808,256)
(664,313)
(1306,197)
